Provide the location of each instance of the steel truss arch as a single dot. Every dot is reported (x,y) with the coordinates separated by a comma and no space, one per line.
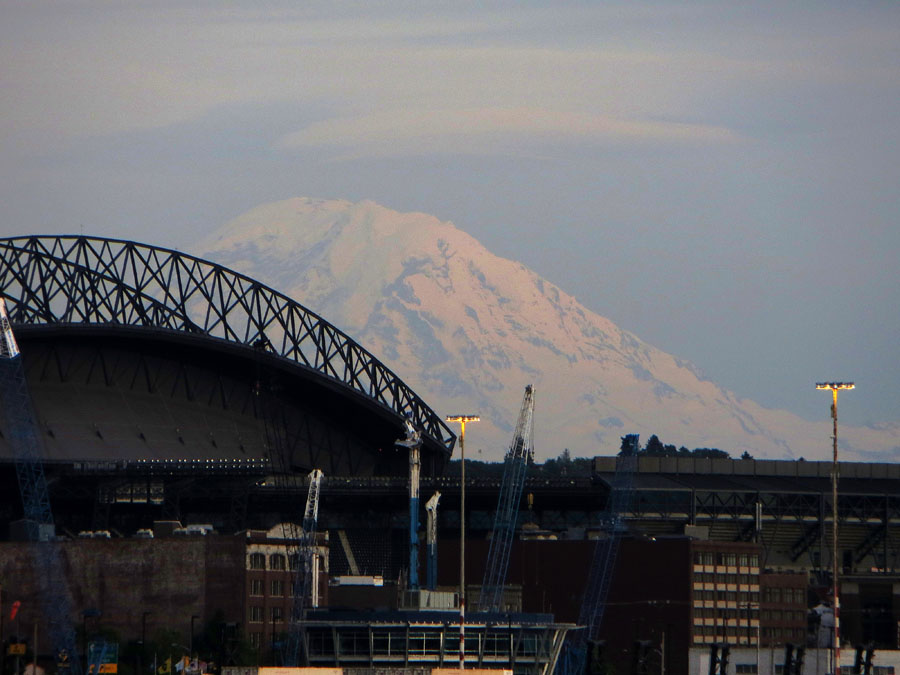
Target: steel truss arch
(67,279)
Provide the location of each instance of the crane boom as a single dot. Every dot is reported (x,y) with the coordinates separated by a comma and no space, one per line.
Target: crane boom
(605,552)
(517,457)
(305,571)
(431,507)
(25,443)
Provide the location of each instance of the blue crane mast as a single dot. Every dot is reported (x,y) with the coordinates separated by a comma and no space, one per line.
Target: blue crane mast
(604,562)
(413,442)
(517,457)
(25,443)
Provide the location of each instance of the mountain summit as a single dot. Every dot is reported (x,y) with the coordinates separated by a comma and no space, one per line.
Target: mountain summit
(468,330)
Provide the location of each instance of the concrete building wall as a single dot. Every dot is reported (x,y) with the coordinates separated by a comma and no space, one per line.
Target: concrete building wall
(170,579)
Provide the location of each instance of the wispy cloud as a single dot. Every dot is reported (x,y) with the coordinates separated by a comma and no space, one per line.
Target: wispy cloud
(479,130)
(104,72)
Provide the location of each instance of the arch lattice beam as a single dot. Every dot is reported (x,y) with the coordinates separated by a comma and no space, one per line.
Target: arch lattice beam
(90,280)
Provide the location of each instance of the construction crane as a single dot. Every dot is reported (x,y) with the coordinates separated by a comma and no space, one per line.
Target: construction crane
(604,561)
(431,507)
(517,457)
(300,546)
(24,440)
(413,442)
(306,570)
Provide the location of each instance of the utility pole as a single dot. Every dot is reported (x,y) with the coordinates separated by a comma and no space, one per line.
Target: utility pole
(191,641)
(144,643)
(834,387)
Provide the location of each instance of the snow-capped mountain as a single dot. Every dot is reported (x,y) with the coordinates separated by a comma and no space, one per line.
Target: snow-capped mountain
(468,330)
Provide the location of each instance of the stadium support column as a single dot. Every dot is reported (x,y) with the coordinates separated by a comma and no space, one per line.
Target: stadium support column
(834,387)
(462,419)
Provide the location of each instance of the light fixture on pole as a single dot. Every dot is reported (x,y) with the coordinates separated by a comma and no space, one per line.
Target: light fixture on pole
(834,388)
(462,419)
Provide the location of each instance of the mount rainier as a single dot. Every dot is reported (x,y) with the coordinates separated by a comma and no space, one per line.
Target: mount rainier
(467,330)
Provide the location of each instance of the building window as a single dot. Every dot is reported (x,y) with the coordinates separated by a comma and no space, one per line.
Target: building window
(255,639)
(277,614)
(277,587)
(276,561)
(256,587)
(256,614)
(754,560)
(294,560)
(257,561)
(745,668)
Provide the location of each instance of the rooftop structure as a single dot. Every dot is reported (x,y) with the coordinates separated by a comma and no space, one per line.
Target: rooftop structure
(524,643)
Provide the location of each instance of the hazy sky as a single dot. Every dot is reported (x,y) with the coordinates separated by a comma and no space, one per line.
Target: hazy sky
(720,178)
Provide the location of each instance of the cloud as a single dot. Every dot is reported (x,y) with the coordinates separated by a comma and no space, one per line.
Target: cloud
(465,80)
(478,130)
(104,72)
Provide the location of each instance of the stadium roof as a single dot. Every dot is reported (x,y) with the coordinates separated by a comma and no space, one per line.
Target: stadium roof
(150,312)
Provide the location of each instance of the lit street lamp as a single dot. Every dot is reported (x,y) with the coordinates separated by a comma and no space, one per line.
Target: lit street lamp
(462,419)
(834,387)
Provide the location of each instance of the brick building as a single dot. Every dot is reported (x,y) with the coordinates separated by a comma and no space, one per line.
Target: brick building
(270,583)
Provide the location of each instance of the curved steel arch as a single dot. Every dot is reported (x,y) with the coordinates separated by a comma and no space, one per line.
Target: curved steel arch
(91,280)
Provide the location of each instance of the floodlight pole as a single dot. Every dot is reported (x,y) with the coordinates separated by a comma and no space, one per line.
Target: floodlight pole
(834,387)
(462,419)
